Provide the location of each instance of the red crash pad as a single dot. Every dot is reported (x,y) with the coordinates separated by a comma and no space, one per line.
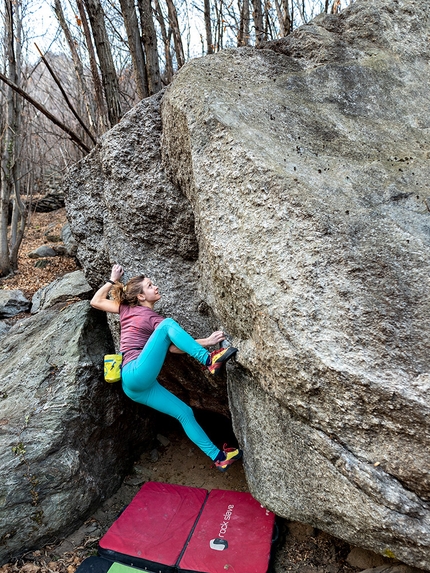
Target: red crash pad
(233,533)
(154,528)
(176,529)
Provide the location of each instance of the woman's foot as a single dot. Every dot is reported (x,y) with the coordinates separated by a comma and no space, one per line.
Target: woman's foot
(218,357)
(228,456)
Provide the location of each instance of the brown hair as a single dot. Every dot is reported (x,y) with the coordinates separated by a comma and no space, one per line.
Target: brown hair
(127,294)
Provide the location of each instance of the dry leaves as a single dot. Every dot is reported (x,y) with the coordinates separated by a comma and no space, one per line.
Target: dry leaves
(41,561)
(29,278)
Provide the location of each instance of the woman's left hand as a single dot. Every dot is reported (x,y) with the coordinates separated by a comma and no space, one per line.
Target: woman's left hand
(215,338)
(116,273)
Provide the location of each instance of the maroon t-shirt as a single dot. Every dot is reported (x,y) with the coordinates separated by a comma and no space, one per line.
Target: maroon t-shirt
(137,325)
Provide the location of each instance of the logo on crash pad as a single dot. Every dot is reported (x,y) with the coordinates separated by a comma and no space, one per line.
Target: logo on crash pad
(218,544)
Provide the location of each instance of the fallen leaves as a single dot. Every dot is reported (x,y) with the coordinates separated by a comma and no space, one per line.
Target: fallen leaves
(29,278)
(41,562)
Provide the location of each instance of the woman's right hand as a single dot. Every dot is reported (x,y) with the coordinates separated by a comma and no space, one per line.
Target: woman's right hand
(215,338)
(116,273)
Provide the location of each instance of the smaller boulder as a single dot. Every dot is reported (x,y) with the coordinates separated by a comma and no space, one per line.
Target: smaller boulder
(68,287)
(42,252)
(12,302)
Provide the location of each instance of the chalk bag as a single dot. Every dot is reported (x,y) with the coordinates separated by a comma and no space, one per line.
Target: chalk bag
(112,367)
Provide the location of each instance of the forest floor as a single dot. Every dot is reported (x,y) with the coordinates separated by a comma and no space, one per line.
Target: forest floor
(172,459)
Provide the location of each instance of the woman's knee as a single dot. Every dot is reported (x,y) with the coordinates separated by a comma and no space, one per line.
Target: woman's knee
(167,323)
(186,414)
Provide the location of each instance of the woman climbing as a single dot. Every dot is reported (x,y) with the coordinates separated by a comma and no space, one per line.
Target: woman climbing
(145,339)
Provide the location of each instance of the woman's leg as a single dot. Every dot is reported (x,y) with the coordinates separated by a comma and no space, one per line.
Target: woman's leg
(142,372)
(139,380)
(157,397)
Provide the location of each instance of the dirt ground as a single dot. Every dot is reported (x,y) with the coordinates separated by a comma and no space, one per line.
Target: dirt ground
(172,459)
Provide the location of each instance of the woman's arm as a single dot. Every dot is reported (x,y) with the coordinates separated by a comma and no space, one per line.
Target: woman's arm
(100,300)
(215,338)
(211,340)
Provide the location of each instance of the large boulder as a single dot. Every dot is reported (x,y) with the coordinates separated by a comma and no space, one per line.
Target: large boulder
(307,169)
(66,437)
(306,236)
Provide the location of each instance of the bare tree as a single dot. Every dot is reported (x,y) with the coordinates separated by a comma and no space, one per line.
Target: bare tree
(102,120)
(258,22)
(10,164)
(166,37)
(87,98)
(208,26)
(135,45)
(149,38)
(177,39)
(107,67)
(283,12)
(243,34)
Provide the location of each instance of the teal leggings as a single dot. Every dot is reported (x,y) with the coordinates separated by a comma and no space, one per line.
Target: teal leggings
(139,380)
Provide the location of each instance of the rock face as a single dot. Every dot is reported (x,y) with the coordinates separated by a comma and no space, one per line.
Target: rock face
(306,166)
(66,437)
(123,209)
(308,176)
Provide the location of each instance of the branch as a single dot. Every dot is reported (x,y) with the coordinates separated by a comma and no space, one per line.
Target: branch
(45,112)
(69,103)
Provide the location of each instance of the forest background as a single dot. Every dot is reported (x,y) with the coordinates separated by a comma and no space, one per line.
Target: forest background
(70,69)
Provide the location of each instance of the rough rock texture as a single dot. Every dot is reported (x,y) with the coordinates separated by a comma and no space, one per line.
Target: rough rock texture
(69,240)
(66,437)
(308,179)
(12,302)
(4,328)
(122,208)
(306,167)
(69,287)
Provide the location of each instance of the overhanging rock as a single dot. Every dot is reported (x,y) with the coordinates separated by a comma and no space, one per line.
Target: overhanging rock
(307,168)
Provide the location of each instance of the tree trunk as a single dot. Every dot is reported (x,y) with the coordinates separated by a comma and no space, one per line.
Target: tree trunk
(168,69)
(288,23)
(10,167)
(258,22)
(79,69)
(107,67)
(208,26)
(219,33)
(177,40)
(149,38)
(243,36)
(102,120)
(135,45)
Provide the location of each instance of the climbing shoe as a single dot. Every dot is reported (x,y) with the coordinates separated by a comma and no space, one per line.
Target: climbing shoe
(219,357)
(231,455)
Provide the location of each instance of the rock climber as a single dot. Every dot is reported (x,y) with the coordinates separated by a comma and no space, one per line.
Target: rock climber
(146,337)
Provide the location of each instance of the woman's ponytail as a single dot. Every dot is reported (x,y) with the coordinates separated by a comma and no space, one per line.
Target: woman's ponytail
(117,292)
(127,294)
